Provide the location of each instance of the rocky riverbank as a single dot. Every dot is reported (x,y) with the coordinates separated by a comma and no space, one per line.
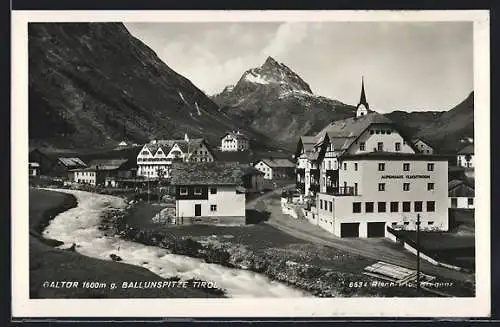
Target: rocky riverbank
(283,266)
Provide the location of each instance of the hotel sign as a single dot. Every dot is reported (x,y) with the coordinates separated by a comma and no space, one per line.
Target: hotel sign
(405,176)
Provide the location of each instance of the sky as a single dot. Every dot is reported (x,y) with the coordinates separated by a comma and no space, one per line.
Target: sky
(409,66)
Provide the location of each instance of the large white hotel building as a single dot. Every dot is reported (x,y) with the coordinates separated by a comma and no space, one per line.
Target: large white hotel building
(365,175)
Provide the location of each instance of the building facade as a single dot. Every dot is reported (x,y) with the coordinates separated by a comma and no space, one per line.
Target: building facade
(234,141)
(381,190)
(461,194)
(465,157)
(98,170)
(209,193)
(371,177)
(276,169)
(34,168)
(155,158)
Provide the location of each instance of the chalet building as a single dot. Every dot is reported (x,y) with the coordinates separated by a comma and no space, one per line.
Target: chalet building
(422,146)
(465,157)
(98,170)
(51,164)
(209,193)
(276,168)
(461,194)
(34,168)
(307,166)
(234,141)
(155,158)
(371,177)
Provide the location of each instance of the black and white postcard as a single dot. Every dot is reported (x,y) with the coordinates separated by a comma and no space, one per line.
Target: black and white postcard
(239,164)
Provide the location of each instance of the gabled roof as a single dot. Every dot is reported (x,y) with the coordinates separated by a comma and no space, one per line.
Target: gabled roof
(207,173)
(419,138)
(468,149)
(167,145)
(236,135)
(241,157)
(107,164)
(278,163)
(354,126)
(307,143)
(460,188)
(250,170)
(72,163)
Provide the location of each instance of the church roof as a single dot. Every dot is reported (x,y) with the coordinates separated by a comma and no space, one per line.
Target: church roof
(362,98)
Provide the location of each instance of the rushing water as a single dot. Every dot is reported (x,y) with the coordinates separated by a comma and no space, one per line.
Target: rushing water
(80,226)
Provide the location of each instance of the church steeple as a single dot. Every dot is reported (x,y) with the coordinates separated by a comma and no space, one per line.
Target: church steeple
(362,108)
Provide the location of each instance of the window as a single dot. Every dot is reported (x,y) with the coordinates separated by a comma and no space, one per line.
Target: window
(381,186)
(406,223)
(430,186)
(330,205)
(394,206)
(394,224)
(356,207)
(470,201)
(406,206)
(380,146)
(369,207)
(388,132)
(406,167)
(453,202)
(371,132)
(197,190)
(377,131)
(345,165)
(362,146)
(430,167)
(381,207)
(397,146)
(406,186)
(418,206)
(382,131)
(430,223)
(213,207)
(321,204)
(381,166)
(213,190)
(183,191)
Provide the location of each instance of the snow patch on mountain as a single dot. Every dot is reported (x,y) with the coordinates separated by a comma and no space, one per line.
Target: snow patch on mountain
(197,108)
(182,97)
(255,78)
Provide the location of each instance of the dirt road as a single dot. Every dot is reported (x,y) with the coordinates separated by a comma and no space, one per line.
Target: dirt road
(374,248)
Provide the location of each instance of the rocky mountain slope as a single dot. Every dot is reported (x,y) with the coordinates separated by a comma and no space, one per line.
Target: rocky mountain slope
(94,84)
(443,129)
(275,101)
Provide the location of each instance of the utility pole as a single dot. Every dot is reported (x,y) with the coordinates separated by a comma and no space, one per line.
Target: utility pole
(418,252)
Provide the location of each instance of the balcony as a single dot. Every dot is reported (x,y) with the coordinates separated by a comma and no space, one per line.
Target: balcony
(341,191)
(314,188)
(300,186)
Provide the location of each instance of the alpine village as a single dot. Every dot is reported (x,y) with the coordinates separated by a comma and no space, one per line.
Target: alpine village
(328,198)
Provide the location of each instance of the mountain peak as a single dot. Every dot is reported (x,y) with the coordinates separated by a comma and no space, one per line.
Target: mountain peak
(275,75)
(270,62)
